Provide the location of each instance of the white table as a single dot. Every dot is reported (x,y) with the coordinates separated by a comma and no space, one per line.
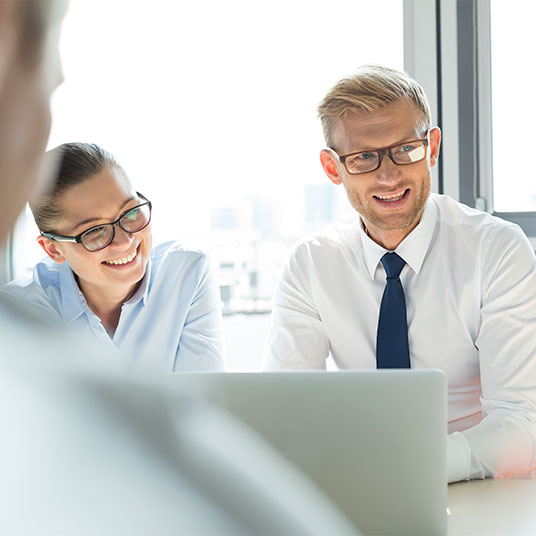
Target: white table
(493,507)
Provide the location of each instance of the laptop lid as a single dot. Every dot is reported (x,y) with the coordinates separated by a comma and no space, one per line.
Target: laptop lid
(373,441)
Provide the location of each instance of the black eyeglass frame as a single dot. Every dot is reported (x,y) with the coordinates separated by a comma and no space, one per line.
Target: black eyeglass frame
(78,237)
(381,153)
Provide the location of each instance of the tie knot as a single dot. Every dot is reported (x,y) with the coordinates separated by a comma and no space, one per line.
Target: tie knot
(393,265)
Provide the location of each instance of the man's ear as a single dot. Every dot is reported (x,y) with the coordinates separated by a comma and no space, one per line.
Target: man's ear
(330,166)
(51,249)
(435,142)
(8,38)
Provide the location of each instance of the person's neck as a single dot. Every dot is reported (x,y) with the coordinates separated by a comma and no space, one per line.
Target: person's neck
(389,240)
(107,303)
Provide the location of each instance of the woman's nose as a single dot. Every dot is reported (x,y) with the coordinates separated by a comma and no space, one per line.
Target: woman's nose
(121,236)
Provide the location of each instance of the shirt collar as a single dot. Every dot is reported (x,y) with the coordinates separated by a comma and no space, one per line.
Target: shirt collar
(73,301)
(143,289)
(412,249)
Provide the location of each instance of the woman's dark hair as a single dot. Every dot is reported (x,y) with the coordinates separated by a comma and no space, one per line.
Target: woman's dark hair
(75,163)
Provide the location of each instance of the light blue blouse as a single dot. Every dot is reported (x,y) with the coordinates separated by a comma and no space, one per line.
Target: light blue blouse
(172,323)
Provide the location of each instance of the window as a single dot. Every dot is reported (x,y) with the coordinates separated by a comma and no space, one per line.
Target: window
(210,107)
(514,116)
(482,80)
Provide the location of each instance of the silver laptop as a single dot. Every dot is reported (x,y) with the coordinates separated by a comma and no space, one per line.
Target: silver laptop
(373,441)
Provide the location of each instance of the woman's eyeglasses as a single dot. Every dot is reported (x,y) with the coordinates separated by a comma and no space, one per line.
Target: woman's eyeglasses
(98,237)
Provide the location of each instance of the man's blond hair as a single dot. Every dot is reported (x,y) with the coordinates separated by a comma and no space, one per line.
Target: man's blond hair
(371,88)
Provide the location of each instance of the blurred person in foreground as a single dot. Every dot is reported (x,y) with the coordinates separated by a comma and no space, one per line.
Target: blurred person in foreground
(156,308)
(418,280)
(86,449)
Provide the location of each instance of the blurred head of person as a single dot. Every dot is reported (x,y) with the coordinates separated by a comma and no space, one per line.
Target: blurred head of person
(30,70)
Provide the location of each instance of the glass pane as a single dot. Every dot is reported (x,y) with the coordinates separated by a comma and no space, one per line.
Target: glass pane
(210,107)
(514,116)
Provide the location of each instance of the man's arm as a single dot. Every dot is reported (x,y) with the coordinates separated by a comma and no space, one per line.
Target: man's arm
(297,339)
(201,346)
(504,443)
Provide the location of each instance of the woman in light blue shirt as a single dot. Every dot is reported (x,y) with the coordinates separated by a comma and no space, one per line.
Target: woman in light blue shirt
(156,308)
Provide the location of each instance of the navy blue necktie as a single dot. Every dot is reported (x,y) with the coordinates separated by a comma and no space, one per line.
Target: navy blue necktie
(392,348)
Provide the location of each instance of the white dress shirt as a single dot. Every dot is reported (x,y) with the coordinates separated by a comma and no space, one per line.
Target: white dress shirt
(470,288)
(172,323)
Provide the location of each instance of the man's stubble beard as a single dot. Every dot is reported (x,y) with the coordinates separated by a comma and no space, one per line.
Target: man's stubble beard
(402,221)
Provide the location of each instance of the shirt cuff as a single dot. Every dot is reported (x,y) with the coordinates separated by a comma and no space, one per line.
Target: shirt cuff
(458,457)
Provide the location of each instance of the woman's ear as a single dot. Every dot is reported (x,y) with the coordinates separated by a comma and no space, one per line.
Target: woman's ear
(51,248)
(330,166)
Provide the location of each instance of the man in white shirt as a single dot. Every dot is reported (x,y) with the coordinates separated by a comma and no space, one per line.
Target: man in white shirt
(468,279)
(85,448)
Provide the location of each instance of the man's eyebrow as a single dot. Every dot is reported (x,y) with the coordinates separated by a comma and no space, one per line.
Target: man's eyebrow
(93,220)
(399,142)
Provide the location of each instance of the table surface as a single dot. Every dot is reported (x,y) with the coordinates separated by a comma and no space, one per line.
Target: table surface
(493,507)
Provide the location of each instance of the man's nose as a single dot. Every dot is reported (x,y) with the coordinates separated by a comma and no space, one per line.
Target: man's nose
(388,170)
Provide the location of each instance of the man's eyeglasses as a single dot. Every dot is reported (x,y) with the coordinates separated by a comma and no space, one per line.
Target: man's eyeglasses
(401,154)
(98,237)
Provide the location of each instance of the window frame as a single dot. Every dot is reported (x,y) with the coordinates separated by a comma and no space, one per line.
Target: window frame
(526,220)
(460,96)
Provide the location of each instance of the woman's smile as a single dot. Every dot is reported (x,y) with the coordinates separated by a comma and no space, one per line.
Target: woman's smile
(124,260)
